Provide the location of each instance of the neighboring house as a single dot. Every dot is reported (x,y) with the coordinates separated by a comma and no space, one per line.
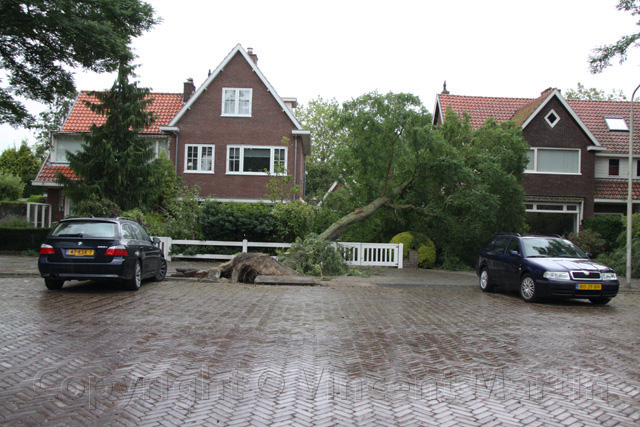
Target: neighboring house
(222,136)
(578,163)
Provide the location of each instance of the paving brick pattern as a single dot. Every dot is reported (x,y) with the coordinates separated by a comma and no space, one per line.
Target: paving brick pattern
(193,353)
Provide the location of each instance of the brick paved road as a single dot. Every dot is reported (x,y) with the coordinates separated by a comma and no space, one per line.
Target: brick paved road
(340,354)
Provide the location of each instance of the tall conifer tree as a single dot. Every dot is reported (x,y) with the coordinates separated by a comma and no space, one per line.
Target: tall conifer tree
(115,162)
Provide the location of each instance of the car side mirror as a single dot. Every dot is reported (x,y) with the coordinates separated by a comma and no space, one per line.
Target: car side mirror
(589,255)
(515,254)
(155,241)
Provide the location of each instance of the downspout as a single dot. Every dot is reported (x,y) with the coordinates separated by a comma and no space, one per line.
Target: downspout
(295,165)
(176,157)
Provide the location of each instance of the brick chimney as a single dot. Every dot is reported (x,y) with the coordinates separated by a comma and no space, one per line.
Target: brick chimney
(547,91)
(252,55)
(189,89)
(444,88)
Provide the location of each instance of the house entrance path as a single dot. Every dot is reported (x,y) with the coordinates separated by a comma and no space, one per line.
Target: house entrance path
(408,348)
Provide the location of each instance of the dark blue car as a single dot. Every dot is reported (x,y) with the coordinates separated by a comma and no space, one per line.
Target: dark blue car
(544,266)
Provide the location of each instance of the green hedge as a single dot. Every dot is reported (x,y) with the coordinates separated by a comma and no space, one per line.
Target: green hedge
(22,239)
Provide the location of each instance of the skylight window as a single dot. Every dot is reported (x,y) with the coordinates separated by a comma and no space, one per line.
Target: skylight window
(616,123)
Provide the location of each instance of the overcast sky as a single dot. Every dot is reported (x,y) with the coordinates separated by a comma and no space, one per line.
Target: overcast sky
(342,49)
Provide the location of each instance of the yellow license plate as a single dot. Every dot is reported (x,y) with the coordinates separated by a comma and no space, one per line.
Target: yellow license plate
(80,252)
(589,286)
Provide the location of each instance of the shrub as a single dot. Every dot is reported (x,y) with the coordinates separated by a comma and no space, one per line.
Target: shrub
(589,241)
(14,222)
(418,242)
(36,198)
(608,227)
(11,186)
(293,220)
(95,206)
(238,221)
(315,257)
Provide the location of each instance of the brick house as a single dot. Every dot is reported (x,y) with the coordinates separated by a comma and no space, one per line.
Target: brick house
(221,136)
(578,164)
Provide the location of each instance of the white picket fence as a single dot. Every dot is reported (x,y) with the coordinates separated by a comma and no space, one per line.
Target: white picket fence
(368,254)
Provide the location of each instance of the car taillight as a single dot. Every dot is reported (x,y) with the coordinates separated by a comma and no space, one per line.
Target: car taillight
(47,250)
(117,251)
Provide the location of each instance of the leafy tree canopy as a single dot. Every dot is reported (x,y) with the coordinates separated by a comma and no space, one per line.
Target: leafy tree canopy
(321,117)
(115,162)
(42,40)
(23,163)
(603,55)
(594,94)
(456,184)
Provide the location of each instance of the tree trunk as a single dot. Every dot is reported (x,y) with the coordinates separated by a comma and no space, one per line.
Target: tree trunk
(356,216)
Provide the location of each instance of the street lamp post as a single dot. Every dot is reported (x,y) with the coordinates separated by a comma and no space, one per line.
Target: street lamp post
(630,192)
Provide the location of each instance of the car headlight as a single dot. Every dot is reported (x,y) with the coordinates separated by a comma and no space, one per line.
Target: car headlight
(556,275)
(609,276)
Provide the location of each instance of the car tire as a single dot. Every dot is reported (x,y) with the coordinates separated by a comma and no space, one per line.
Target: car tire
(528,289)
(600,300)
(485,281)
(162,271)
(53,284)
(134,283)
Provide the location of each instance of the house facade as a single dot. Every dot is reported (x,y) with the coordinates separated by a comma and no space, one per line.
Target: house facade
(228,136)
(578,154)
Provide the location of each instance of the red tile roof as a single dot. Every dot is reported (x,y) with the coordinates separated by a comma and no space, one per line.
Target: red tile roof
(615,189)
(165,105)
(592,114)
(49,172)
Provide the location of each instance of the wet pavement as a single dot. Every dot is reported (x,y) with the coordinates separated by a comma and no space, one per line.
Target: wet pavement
(405,347)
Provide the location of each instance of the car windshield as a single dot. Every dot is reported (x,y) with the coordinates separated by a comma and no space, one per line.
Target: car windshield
(85,229)
(551,248)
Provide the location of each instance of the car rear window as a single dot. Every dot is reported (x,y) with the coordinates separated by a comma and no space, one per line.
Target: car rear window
(85,229)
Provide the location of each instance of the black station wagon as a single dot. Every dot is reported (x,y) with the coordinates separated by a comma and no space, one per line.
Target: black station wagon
(544,266)
(100,248)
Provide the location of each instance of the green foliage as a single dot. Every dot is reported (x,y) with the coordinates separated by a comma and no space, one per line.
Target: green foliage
(618,258)
(594,94)
(607,226)
(603,55)
(97,207)
(22,163)
(417,242)
(22,238)
(589,241)
(41,43)
(293,220)
(114,161)
(238,221)
(321,117)
(14,222)
(11,186)
(315,257)
(36,198)
(282,186)
(179,217)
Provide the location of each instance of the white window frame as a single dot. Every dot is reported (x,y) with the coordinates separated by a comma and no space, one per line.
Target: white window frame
(549,121)
(236,98)
(615,124)
(535,161)
(200,149)
(272,149)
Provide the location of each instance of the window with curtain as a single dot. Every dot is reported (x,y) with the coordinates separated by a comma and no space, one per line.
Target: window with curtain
(236,102)
(561,161)
(255,160)
(199,158)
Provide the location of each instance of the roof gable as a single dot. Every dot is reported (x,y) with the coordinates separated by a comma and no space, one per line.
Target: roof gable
(81,117)
(238,49)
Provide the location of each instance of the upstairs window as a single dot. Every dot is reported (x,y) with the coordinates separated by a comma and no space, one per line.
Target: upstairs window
(199,159)
(552,118)
(617,123)
(256,160)
(236,102)
(614,167)
(553,161)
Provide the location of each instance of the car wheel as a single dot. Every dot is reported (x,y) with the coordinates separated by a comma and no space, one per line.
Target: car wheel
(485,281)
(53,284)
(600,300)
(528,289)
(133,284)
(162,271)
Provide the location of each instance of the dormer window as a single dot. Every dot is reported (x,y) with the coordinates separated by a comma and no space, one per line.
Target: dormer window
(617,124)
(552,118)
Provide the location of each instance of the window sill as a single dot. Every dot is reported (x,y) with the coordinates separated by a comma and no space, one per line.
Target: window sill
(199,172)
